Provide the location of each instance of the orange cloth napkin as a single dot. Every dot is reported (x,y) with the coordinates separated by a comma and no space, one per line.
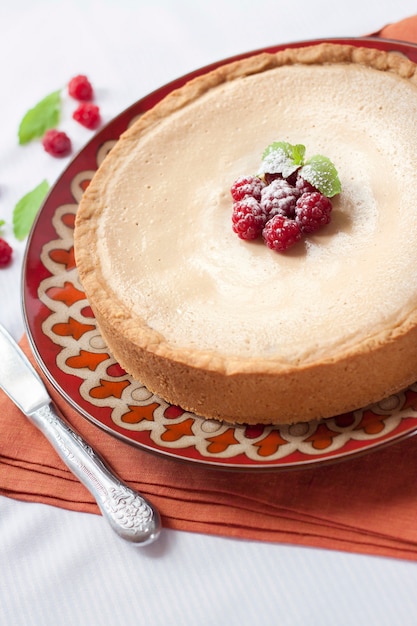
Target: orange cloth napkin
(404,30)
(367,504)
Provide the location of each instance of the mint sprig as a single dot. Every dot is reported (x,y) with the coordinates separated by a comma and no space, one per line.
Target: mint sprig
(27,208)
(320,172)
(43,116)
(281,157)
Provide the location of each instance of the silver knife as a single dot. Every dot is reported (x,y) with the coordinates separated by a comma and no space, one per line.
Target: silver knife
(129,514)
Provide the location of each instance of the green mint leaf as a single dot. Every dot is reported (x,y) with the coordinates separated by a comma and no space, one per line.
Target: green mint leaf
(320,172)
(40,118)
(26,210)
(283,158)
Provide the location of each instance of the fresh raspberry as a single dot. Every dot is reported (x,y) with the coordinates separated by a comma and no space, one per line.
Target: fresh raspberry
(279,198)
(5,253)
(312,211)
(303,186)
(280,233)
(80,88)
(247,186)
(248,219)
(88,115)
(57,143)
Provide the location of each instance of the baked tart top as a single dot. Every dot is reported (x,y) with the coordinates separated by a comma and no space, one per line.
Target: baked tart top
(155,248)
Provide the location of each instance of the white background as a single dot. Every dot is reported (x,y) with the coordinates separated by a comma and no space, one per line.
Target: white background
(59,567)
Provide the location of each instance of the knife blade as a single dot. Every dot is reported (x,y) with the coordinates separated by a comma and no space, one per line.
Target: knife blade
(130,515)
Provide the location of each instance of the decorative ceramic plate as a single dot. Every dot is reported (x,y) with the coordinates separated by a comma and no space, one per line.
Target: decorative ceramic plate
(73,355)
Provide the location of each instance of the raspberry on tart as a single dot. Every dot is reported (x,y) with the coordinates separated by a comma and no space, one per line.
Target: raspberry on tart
(280,233)
(312,211)
(303,186)
(247,186)
(279,198)
(248,218)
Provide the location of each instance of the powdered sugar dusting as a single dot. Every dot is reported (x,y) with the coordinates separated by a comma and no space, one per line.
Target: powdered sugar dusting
(276,162)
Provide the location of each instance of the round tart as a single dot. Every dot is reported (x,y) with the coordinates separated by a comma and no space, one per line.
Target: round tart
(230,329)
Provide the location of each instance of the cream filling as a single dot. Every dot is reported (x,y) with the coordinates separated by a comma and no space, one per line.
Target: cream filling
(166,245)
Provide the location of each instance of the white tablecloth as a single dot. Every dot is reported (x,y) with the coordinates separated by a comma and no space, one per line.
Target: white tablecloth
(60,567)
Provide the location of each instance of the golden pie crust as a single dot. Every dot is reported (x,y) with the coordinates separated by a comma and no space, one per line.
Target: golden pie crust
(228,381)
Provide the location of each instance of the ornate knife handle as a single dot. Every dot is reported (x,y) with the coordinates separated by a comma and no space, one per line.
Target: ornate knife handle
(129,514)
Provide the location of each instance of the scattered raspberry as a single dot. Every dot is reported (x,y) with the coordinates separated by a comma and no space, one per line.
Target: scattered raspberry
(279,198)
(57,143)
(5,253)
(80,88)
(281,232)
(88,115)
(247,186)
(312,211)
(248,219)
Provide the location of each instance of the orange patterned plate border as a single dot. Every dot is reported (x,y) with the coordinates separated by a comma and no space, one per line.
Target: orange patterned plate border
(69,348)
